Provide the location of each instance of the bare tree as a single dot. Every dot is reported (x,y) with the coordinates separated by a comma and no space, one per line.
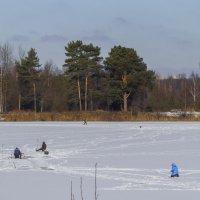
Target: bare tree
(22,53)
(6,61)
(194,91)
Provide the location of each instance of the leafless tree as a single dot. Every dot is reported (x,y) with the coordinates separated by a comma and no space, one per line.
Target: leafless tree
(6,62)
(194,88)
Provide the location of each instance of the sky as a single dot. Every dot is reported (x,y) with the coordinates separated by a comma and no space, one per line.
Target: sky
(166,34)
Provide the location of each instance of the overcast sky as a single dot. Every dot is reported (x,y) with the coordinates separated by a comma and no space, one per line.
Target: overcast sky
(165,33)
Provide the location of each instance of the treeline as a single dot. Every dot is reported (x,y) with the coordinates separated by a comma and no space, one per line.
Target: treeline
(176,93)
(88,82)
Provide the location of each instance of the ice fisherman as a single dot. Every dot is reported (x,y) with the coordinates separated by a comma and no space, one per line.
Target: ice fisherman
(17,153)
(43,147)
(174,170)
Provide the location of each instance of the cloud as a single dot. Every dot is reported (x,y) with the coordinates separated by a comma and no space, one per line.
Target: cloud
(121,20)
(19,38)
(97,36)
(33,33)
(181,41)
(178,37)
(53,38)
(166,35)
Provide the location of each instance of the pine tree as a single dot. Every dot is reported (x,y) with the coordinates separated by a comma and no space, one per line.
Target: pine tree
(83,61)
(28,70)
(127,73)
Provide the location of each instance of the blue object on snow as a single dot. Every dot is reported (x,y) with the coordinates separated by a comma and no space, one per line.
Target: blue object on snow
(174,170)
(17,152)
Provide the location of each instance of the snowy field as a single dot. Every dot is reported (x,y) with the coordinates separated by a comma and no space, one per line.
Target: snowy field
(133,162)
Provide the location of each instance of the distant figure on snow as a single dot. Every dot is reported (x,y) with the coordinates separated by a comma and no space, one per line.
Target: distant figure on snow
(17,153)
(174,170)
(43,147)
(84,122)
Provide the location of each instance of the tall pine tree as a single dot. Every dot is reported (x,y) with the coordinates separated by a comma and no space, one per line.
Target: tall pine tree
(83,61)
(127,73)
(28,70)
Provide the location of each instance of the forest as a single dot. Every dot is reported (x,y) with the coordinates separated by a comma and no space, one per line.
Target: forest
(88,82)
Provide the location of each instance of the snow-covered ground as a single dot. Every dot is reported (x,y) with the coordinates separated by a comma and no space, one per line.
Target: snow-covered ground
(133,160)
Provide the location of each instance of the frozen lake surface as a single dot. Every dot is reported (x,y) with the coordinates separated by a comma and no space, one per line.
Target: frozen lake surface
(134,160)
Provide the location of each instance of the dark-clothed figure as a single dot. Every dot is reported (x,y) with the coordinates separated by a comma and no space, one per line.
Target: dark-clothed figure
(43,148)
(17,153)
(174,170)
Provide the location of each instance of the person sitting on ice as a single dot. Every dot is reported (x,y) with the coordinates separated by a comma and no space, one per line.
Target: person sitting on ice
(43,147)
(17,153)
(174,170)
